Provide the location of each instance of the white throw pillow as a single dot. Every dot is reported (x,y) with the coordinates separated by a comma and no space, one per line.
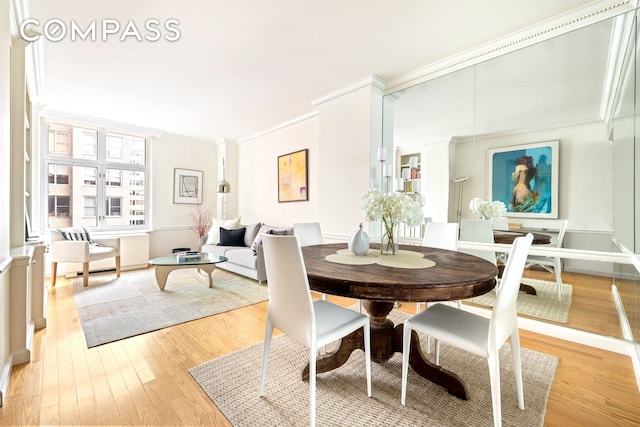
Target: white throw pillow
(213,237)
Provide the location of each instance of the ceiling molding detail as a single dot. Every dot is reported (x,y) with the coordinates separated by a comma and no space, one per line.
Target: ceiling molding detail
(581,17)
(290,123)
(375,82)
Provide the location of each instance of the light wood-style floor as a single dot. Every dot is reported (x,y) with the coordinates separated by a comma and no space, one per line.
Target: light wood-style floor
(144,379)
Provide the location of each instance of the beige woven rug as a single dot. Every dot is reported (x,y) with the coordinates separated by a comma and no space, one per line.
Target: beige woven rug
(544,305)
(112,309)
(232,382)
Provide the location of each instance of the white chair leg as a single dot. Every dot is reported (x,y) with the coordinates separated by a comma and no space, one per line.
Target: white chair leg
(367,352)
(557,270)
(360,306)
(517,366)
(406,346)
(265,355)
(324,297)
(438,352)
(313,354)
(418,305)
(494,376)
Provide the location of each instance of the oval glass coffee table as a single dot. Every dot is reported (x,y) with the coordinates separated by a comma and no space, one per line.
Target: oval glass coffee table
(199,260)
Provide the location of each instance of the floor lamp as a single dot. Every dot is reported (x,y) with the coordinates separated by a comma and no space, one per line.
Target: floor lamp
(223,188)
(460,180)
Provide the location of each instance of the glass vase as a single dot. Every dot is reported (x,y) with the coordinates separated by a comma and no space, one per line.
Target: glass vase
(389,242)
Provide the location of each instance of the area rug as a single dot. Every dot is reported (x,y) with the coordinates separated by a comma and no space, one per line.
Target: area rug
(232,382)
(112,309)
(544,305)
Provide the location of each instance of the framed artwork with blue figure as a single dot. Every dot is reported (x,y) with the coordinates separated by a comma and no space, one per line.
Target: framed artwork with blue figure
(525,178)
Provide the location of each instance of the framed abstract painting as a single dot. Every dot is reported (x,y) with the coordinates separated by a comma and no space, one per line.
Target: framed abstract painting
(187,186)
(525,178)
(293,177)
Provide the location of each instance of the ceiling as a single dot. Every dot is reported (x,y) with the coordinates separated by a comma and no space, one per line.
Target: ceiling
(240,67)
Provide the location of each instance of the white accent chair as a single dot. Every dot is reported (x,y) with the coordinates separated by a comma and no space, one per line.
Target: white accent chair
(292,311)
(81,249)
(477,334)
(552,264)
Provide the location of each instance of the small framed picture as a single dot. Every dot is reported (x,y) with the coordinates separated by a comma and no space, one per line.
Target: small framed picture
(187,186)
(293,177)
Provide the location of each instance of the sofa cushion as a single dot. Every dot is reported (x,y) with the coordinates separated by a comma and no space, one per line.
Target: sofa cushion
(241,256)
(231,237)
(213,238)
(250,233)
(265,228)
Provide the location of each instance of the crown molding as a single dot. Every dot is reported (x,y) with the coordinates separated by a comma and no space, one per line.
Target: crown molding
(51,114)
(374,82)
(578,18)
(290,123)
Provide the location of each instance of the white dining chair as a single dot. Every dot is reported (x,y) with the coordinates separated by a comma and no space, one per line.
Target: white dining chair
(552,264)
(477,334)
(441,235)
(480,231)
(309,234)
(292,311)
(500,223)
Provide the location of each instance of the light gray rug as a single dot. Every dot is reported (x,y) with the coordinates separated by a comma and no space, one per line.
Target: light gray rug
(232,383)
(544,305)
(112,309)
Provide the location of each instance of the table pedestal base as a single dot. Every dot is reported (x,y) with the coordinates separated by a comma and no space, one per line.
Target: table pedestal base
(386,340)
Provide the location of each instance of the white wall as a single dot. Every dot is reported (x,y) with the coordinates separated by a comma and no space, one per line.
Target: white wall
(585,172)
(5,43)
(169,220)
(340,140)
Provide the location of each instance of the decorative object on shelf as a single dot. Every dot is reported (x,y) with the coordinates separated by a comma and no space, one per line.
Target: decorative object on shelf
(392,209)
(293,177)
(187,186)
(223,187)
(487,210)
(359,242)
(199,220)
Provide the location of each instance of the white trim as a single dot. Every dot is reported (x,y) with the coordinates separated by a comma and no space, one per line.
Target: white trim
(290,123)
(579,18)
(622,315)
(373,81)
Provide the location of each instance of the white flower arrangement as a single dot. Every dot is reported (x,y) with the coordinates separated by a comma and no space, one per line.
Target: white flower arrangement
(392,209)
(487,209)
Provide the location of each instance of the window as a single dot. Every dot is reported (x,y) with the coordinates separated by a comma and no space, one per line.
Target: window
(58,174)
(90,176)
(89,206)
(114,178)
(95,178)
(59,206)
(114,206)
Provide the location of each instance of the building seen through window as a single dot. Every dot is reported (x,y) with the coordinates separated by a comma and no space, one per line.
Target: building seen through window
(96,179)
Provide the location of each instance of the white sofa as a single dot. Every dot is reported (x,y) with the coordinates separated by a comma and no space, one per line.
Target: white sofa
(244,257)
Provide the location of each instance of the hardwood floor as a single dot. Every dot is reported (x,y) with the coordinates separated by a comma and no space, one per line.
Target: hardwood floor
(144,379)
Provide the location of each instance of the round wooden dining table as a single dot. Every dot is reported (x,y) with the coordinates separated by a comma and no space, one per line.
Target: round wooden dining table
(450,276)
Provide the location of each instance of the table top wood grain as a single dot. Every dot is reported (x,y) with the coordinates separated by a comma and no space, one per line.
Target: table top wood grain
(455,276)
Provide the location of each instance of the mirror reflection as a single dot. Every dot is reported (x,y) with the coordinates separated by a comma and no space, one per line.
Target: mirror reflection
(569,91)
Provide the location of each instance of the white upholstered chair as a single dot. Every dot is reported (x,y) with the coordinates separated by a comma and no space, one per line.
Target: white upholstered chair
(552,264)
(480,231)
(292,311)
(74,245)
(309,234)
(477,334)
(500,223)
(441,235)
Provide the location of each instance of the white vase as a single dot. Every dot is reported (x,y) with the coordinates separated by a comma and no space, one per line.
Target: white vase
(359,242)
